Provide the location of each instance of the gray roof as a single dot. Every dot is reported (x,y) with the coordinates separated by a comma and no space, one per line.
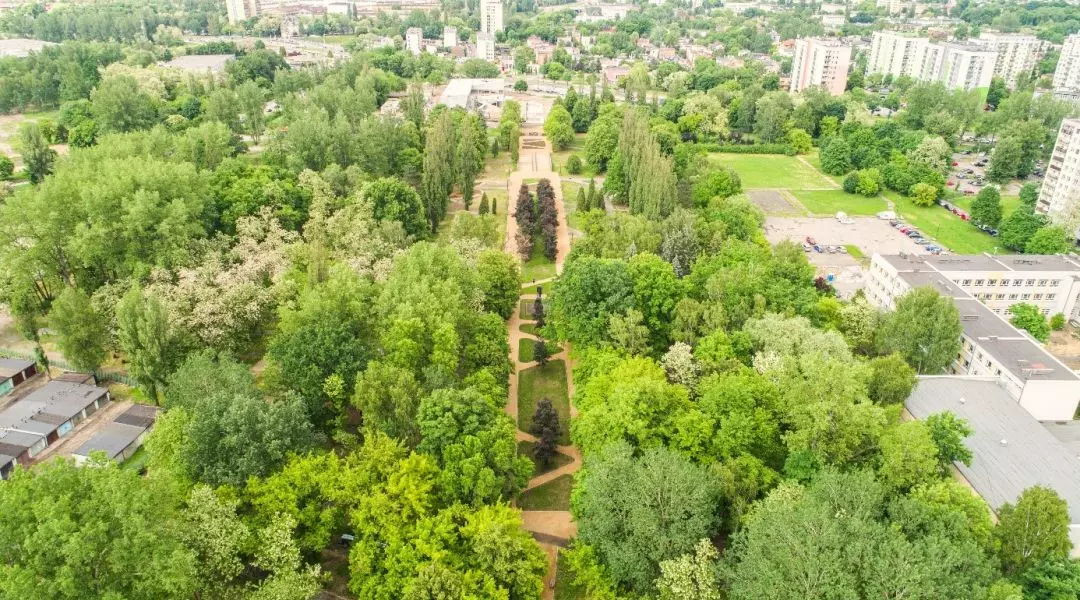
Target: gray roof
(1012,451)
(111,439)
(17,441)
(201,62)
(42,410)
(139,415)
(1020,263)
(9,367)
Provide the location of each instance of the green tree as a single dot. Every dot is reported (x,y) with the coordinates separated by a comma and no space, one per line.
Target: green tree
(148,340)
(394,200)
(800,141)
(1029,194)
(470,155)
(1029,318)
(986,209)
(439,161)
(128,523)
(602,140)
(81,330)
(691,576)
(1020,227)
(38,157)
(587,294)
(119,105)
(771,116)
(996,93)
(891,379)
(639,512)
(388,396)
(924,194)
(909,456)
(948,432)
(925,329)
(500,282)
(559,127)
(1057,322)
(7,168)
(546,428)
(836,156)
(1005,160)
(1034,529)
(251,100)
(1051,239)
(718,183)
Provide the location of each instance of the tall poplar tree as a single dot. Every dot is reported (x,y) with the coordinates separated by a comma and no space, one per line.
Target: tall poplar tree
(438,179)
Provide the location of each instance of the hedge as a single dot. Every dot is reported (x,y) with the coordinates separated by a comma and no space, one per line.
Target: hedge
(751,148)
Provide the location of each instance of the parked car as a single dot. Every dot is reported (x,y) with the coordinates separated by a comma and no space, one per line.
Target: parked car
(817,248)
(810,240)
(842,249)
(806,247)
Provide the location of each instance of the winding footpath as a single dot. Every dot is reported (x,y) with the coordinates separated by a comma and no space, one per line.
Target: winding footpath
(552,528)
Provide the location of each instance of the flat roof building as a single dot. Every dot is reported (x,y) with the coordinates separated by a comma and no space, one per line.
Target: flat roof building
(1011,451)
(1059,196)
(990,345)
(820,63)
(120,439)
(15,371)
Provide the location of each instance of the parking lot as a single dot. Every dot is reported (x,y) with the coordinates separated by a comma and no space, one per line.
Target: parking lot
(868,234)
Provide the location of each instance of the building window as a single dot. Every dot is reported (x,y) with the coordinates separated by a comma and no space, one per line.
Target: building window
(978,282)
(991,282)
(1038,296)
(1051,296)
(1031,282)
(1042,282)
(1055,282)
(1025,297)
(966,282)
(1001,296)
(1012,296)
(1017,282)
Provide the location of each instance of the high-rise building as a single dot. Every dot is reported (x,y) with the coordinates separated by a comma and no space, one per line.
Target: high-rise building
(485,45)
(820,63)
(240,10)
(449,37)
(963,66)
(1017,54)
(1060,193)
(491,16)
(895,54)
(414,38)
(1067,74)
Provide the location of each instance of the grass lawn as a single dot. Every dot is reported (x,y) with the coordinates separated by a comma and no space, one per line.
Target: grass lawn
(553,495)
(538,266)
(946,228)
(1008,203)
(530,290)
(854,251)
(828,202)
(526,350)
(558,159)
(530,328)
(566,588)
(500,165)
(569,194)
(536,383)
(525,310)
(560,459)
(759,171)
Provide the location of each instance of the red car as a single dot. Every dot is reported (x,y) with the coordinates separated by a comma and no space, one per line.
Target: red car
(955,164)
(810,240)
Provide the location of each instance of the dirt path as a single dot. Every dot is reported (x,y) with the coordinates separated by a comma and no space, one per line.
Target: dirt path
(534,162)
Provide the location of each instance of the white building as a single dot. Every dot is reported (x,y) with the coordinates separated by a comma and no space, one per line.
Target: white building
(896,54)
(485,45)
(414,38)
(1060,193)
(991,346)
(833,21)
(1017,54)
(1067,74)
(959,66)
(491,16)
(240,10)
(449,37)
(820,63)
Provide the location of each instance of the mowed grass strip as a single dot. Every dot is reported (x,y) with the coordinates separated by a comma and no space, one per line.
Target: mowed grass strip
(548,381)
(526,448)
(829,202)
(764,171)
(527,350)
(947,229)
(553,495)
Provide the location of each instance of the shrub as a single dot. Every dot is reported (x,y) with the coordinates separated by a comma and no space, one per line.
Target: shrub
(7,168)
(869,182)
(851,182)
(923,194)
(1057,322)
(521,85)
(573,164)
(751,148)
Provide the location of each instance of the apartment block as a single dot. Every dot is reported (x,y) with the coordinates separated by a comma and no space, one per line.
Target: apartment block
(1017,55)
(990,346)
(414,40)
(1067,73)
(959,66)
(449,37)
(241,10)
(1059,196)
(897,54)
(485,46)
(820,63)
(491,16)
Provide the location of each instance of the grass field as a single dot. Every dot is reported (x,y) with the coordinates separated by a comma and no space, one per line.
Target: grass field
(569,194)
(854,251)
(759,171)
(558,159)
(530,290)
(559,460)
(538,266)
(1008,203)
(954,233)
(828,202)
(536,383)
(553,495)
(527,350)
(530,328)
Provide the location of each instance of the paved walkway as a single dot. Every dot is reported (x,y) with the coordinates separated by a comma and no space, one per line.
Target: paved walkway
(551,528)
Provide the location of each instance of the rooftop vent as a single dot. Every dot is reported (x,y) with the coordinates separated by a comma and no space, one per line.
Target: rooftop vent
(1004,442)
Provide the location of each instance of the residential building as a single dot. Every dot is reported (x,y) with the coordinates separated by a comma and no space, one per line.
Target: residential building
(990,346)
(1010,450)
(1059,196)
(1017,55)
(1067,73)
(414,38)
(15,371)
(241,10)
(21,47)
(959,66)
(820,63)
(491,16)
(485,45)
(449,37)
(31,424)
(833,21)
(895,54)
